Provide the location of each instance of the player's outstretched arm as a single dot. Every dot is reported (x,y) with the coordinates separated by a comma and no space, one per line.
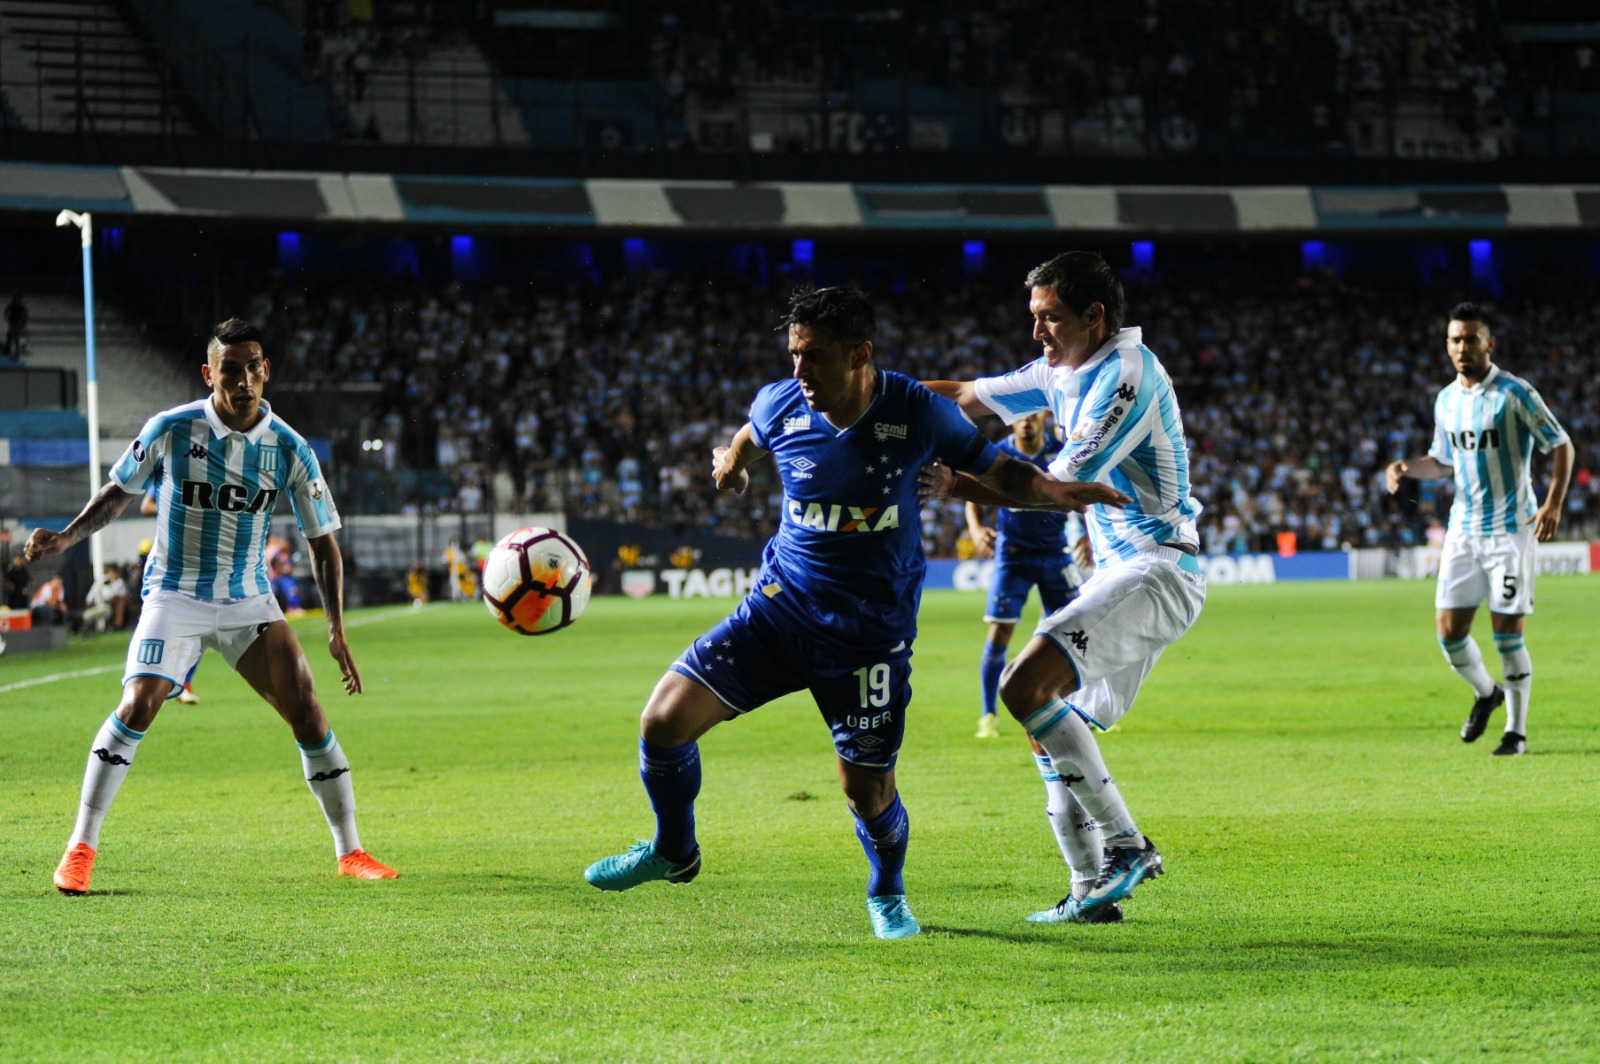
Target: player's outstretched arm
(1548,519)
(327,567)
(728,464)
(1425,468)
(106,506)
(962,393)
(1018,485)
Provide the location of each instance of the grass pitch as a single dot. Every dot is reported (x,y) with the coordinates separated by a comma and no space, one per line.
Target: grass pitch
(1347,880)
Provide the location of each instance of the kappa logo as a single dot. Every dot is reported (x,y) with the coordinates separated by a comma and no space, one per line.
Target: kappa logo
(1080,641)
(796,424)
(1069,780)
(1515,676)
(1126,393)
(882,430)
(198,451)
(802,467)
(111,759)
(323,777)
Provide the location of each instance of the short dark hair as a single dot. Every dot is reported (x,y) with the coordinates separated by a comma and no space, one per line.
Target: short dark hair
(1079,278)
(234,331)
(843,312)
(1470,311)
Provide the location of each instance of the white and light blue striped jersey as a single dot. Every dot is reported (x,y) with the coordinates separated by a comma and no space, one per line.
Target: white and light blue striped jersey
(1487,433)
(1123,429)
(215,490)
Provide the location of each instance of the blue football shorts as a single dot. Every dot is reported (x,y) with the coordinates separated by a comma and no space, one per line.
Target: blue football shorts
(756,655)
(1014,577)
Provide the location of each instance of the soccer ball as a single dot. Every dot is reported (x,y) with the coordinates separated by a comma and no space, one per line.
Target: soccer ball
(536,581)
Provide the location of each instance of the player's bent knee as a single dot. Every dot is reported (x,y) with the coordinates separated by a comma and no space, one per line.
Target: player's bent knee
(680,711)
(1032,679)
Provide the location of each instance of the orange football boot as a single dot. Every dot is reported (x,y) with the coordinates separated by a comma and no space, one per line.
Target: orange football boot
(357,863)
(72,874)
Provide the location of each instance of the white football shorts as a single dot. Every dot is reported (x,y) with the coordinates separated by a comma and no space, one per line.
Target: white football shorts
(1125,615)
(175,629)
(1499,568)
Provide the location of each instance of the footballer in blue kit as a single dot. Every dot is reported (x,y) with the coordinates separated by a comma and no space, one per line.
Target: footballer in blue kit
(834,607)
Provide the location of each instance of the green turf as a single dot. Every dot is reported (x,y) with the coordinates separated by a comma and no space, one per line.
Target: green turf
(1346,879)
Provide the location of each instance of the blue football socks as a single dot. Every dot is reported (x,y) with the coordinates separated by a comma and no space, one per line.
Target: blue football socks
(990,666)
(671,776)
(884,840)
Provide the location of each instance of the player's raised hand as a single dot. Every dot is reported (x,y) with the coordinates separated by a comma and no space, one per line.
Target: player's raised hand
(1393,473)
(43,543)
(340,649)
(935,481)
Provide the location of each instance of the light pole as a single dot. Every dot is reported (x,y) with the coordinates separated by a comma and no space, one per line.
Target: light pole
(92,389)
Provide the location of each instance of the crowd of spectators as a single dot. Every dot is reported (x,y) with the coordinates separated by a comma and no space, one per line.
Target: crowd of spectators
(604,398)
(1154,76)
(1257,73)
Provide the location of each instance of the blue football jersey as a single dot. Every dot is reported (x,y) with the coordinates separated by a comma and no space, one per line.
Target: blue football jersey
(215,491)
(847,562)
(1030,533)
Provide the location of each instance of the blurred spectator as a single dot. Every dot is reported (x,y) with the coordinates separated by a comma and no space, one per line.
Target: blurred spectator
(107,602)
(49,603)
(18,583)
(16,327)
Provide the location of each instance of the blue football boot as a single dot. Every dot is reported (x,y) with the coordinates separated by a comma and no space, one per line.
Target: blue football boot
(640,865)
(891,916)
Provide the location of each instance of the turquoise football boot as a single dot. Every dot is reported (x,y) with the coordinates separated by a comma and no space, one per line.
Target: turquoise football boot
(891,916)
(640,864)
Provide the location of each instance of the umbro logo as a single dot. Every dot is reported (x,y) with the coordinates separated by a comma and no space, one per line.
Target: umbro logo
(198,451)
(323,777)
(111,759)
(1080,641)
(802,467)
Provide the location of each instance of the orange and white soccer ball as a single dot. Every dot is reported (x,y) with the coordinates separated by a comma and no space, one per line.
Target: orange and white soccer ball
(536,581)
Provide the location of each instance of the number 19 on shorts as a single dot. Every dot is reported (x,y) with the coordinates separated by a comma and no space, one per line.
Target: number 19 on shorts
(874,685)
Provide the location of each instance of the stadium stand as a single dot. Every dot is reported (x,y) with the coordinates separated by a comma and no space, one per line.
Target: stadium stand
(603,396)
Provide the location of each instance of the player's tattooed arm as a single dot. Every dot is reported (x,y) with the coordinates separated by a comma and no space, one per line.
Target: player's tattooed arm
(1017,485)
(728,464)
(106,506)
(1548,519)
(327,568)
